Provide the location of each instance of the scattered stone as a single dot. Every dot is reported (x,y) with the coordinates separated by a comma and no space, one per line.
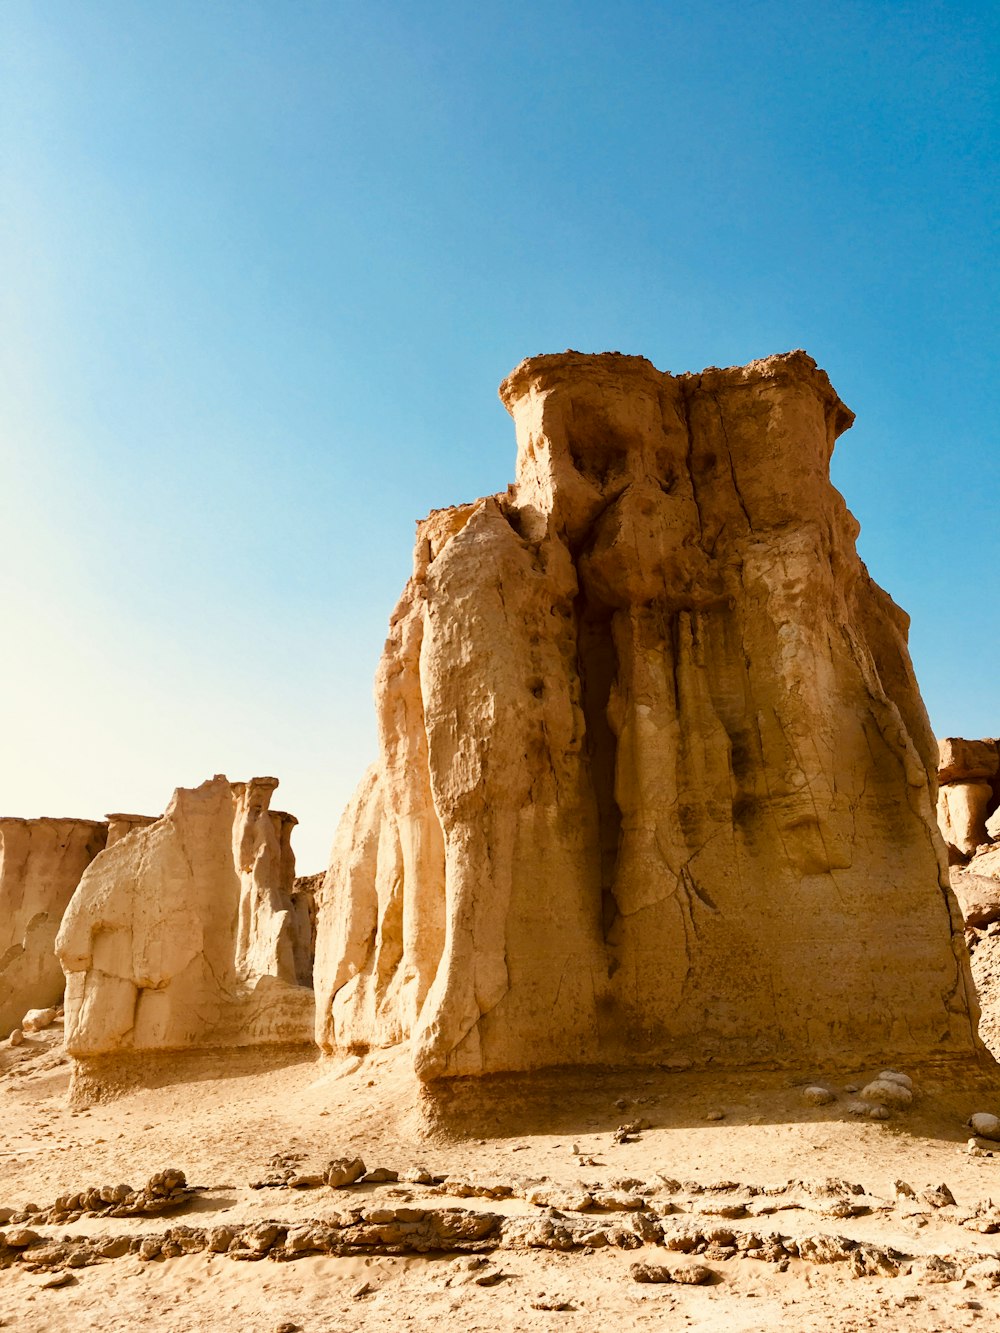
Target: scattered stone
(938,1197)
(37,1020)
(936,1268)
(691,1274)
(879,1112)
(816,1095)
(715,1115)
(893,1076)
(343,1171)
(985,1125)
(550,1303)
(490,1279)
(650,1273)
(695,1275)
(362,1289)
(60,1280)
(16,1038)
(21,1238)
(887,1092)
(381,1175)
(419,1175)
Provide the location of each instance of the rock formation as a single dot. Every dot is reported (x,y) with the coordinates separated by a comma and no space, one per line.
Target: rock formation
(182,933)
(41,861)
(655,779)
(968,795)
(970,823)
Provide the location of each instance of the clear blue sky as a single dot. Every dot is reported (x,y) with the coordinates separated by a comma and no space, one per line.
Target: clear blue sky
(264,265)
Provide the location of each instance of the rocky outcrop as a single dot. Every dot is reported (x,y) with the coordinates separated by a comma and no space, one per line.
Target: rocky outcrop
(655,778)
(968,795)
(120,826)
(41,861)
(182,934)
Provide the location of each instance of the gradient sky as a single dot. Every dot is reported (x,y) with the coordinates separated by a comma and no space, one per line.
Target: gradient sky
(263,265)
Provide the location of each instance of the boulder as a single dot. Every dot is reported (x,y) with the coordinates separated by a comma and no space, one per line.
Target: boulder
(179,935)
(655,776)
(41,861)
(961,815)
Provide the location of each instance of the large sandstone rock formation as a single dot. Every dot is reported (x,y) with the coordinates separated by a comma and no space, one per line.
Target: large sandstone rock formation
(655,778)
(41,861)
(182,933)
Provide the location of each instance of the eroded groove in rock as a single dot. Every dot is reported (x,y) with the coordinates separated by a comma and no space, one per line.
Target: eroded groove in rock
(654,766)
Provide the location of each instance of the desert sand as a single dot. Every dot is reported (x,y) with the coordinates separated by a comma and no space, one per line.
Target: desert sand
(547,1135)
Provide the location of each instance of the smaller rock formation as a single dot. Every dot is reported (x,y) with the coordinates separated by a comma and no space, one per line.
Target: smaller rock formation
(41,861)
(969,818)
(968,793)
(183,933)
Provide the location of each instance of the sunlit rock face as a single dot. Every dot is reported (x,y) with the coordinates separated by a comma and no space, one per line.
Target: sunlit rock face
(183,934)
(655,778)
(41,861)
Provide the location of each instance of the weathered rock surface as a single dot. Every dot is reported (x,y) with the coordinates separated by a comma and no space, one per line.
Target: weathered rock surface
(655,777)
(181,933)
(41,861)
(120,826)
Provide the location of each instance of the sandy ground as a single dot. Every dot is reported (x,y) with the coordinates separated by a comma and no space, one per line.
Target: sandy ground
(221,1122)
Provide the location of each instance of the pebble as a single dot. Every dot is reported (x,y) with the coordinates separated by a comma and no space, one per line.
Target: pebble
(715,1115)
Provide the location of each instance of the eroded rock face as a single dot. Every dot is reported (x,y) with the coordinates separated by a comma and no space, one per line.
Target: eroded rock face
(41,861)
(655,777)
(181,934)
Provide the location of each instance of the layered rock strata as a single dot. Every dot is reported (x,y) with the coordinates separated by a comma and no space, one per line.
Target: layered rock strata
(41,861)
(182,933)
(655,779)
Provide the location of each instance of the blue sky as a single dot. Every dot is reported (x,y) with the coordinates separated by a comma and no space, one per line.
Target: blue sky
(262,267)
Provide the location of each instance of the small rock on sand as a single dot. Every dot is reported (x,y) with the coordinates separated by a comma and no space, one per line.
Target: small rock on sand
(37,1020)
(887,1092)
(985,1125)
(817,1095)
